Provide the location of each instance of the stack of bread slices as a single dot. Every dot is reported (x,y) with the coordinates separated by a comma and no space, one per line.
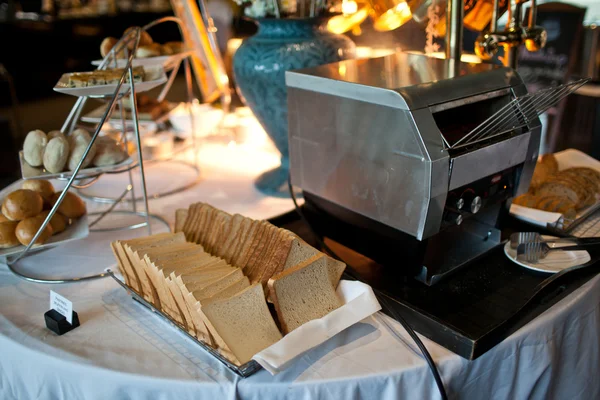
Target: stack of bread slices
(214,274)
(563,191)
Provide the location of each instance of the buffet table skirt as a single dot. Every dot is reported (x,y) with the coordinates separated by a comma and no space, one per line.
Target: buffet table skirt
(122,351)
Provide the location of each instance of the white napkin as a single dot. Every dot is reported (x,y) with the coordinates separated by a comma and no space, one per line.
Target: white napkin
(359,303)
(533,216)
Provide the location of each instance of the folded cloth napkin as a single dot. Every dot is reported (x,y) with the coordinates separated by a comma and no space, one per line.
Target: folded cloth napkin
(359,303)
(533,216)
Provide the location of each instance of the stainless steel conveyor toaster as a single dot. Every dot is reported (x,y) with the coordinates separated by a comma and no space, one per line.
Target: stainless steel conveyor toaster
(430,150)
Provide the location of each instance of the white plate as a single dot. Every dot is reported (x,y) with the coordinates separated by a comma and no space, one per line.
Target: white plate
(554,262)
(155,76)
(167,62)
(79,229)
(566,159)
(29,172)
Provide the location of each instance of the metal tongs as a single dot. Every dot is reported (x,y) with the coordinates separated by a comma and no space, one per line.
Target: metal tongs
(532,247)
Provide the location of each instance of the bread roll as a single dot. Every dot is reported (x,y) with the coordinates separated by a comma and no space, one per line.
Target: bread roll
(52,134)
(58,221)
(42,186)
(22,204)
(166,50)
(107,45)
(176,47)
(33,148)
(8,237)
(78,143)
(145,39)
(108,153)
(27,229)
(3,218)
(56,154)
(72,206)
(148,51)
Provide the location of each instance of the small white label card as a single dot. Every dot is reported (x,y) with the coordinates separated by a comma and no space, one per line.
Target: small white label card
(62,305)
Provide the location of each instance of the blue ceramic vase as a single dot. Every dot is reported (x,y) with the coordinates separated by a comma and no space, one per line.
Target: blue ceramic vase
(259,66)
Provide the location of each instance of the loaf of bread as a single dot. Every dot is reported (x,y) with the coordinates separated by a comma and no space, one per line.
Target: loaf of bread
(33,148)
(22,204)
(27,228)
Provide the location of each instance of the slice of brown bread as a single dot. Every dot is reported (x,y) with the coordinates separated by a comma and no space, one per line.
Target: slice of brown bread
(245,243)
(230,290)
(587,183)
(243,321)
(303,293)
(260,260)
(544,169)
(180,217)
(254,247)
(526,200)
(229,235)
(562,189)
(238,240)
(216,230)
(589,173)
(279,255)
(188,226)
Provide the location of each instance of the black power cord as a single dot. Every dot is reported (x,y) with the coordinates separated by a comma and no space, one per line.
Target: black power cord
(380,296)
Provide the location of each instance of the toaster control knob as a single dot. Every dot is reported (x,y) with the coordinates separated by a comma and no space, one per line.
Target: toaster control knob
(460,203)
(475,205)
(454,217)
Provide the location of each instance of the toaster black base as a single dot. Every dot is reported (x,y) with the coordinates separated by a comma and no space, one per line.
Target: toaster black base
(469,312)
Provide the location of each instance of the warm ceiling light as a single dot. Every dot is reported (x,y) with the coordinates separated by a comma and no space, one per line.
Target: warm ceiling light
(390,14)
(353,14)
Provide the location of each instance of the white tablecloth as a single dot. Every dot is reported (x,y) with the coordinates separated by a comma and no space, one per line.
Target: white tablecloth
(122,351)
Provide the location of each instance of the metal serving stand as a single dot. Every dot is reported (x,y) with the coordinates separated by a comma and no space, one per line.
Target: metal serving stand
(244,370)
(193,146)
(133,36)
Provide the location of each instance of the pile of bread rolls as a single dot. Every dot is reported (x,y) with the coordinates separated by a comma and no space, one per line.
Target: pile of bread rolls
(57,152)
(146,47)
(25,209)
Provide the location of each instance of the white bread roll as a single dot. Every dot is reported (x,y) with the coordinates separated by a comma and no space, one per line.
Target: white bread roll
(58,221)
(56,154)
(145,39)
(108,152)
(33,148)
(78,142)
(52,134)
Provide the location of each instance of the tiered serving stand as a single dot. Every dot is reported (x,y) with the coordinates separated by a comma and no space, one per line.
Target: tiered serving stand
(81,178)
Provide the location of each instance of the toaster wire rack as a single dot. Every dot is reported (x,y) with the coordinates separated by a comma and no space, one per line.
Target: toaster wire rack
(517,113)
(244,370)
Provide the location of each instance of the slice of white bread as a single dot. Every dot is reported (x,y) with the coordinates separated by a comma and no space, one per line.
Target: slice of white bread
(146,288)
(129,274)
(303,293)
(243,321)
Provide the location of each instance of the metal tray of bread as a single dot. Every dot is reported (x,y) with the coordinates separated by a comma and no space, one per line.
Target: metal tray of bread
(244,370)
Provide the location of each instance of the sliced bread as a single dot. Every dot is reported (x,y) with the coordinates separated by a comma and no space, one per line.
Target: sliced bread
(243,321)
(303,293)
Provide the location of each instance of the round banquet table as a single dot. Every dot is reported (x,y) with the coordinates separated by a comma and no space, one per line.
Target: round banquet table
(122,351)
